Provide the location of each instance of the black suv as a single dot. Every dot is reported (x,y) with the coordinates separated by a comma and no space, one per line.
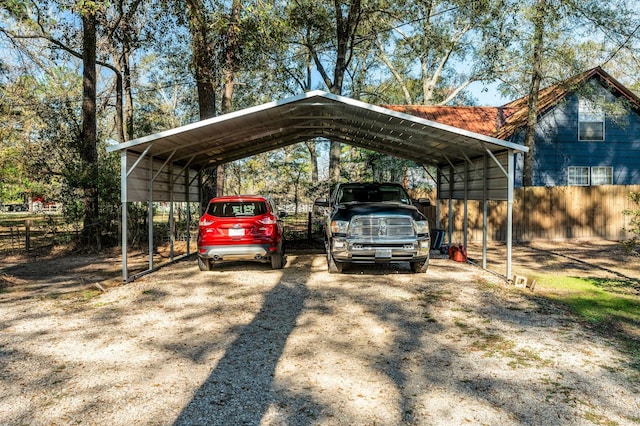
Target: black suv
(374,223)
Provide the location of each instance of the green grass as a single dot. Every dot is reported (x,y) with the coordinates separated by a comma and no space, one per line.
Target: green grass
(19,218)
(611,305)
(598,419)
(599,301)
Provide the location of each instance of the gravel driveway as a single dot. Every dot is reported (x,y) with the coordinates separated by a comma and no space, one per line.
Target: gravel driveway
(244,344)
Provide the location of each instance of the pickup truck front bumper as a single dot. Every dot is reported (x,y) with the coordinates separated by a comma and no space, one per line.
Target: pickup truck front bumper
(368,251)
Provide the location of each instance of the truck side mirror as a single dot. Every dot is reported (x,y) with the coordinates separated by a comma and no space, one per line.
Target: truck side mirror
(321,202)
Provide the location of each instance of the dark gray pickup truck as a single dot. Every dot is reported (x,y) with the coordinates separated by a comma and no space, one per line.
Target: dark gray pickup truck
(374,223)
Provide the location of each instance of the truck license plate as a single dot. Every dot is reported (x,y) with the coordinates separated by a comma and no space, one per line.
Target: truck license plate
(383,253)
(236,232)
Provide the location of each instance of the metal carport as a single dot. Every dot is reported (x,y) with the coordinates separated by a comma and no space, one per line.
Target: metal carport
(166,166)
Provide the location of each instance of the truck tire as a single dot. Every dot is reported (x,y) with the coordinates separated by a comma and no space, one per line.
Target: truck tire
(417,267)
(420,267)
(333,266)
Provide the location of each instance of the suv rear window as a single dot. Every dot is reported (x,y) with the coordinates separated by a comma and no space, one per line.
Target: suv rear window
(237,208)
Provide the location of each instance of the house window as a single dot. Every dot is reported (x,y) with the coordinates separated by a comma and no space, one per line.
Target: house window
(590,121)
(578,176)
(585,176)
(601,175)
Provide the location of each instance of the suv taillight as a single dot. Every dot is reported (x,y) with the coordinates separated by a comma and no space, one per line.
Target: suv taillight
(205,222)
(266,225)
(267,220)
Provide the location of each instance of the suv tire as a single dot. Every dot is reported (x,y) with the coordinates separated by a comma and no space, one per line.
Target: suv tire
(277,262)
(204,264)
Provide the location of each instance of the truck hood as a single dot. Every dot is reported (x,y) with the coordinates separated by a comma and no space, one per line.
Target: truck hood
(347,211)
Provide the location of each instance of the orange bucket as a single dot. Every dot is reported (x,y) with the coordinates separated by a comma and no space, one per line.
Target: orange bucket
(458,253)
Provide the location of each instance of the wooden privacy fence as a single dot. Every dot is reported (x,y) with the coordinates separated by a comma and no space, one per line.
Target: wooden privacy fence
(539,213)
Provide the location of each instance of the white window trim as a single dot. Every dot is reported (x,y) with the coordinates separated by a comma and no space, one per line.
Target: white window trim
(608,175)
(597,116)
(590,179)
(588,183)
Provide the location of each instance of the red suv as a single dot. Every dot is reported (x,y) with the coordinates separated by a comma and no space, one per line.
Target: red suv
(240,228)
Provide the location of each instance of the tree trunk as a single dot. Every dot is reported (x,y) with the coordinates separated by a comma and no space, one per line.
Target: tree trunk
(313,156)
(536,78)
(128,95)
(231,58)
(346,28)
(124,59)
(335,149)
(229,72)
(89,150)
(119,123)
(205,75)
(203,58)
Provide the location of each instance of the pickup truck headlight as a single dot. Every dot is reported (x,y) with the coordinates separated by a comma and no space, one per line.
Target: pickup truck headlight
(422,227)
(339,226)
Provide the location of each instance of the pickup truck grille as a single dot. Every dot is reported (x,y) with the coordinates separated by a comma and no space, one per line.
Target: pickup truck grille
(374,226)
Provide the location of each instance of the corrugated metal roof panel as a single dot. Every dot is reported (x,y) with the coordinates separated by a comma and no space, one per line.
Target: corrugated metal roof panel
(317,114)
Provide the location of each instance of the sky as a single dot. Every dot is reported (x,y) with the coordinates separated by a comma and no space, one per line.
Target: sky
(490,97)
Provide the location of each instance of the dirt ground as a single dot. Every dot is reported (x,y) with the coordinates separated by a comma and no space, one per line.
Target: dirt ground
(58,272)
(244,344)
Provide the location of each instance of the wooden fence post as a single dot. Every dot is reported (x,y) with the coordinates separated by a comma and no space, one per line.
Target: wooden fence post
(27,235)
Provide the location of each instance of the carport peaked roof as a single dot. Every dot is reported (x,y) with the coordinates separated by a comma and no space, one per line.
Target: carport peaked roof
(312,115)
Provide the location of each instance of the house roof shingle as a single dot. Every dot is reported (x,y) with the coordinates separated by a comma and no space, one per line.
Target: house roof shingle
(483,120)
(502,122)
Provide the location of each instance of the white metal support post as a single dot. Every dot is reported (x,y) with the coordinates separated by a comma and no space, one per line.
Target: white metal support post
(510,174)
(510,185)
(171,218)
(187,185)
(123,200)
(485,192)
(437,199)
(201,207)
(451,171)
(150,213)
(466,204)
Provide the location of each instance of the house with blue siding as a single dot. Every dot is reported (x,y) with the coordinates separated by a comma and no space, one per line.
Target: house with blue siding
(588,130)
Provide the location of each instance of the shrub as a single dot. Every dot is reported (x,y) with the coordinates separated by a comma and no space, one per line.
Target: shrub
(634,223)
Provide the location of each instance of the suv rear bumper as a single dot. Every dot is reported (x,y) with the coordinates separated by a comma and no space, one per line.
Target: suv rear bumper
(366,251)
(236,252)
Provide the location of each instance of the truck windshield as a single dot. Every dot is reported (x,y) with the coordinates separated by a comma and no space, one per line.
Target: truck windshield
(372,194)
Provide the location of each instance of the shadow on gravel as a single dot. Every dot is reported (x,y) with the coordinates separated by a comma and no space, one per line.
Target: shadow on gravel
(238,391)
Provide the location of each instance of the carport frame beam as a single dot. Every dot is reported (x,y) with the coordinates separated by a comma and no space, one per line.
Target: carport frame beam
(123,200)
(510,191)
